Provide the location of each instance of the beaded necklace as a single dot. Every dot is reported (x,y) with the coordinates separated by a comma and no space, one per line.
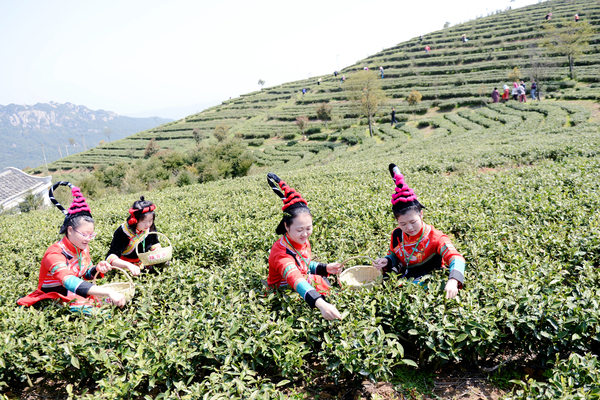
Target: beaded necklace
(404,253)
(306,263)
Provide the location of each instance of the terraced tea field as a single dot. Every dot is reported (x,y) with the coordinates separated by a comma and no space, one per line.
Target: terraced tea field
(454,74)
(515,186)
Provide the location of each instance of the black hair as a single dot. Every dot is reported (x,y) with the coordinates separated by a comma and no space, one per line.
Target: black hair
(74,222)
(416,208)
(140,205)
(495,88)
(290,215)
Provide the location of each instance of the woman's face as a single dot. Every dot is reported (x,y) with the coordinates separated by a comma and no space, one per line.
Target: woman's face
(411,223)
(301,228)
(146,222)
(82,235)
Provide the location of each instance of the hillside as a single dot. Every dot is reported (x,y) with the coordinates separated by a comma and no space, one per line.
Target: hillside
(454,74)
(520,203)
(24,128)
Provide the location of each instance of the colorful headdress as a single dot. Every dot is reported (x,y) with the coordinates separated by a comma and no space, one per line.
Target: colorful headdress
(291,198)
(79,206)
(139,211)
(403,196)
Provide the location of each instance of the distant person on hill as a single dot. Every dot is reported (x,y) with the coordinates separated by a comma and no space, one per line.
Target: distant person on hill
(427,49)
(303,92)
(548,16)
(134,234)
(505,95)
(381,72)
(319,81)
(290,263)
(464,38)
(533,89)
(495,96)
(515,91)
(335,73)
(343,78)
(394,117)
(521,94)
(366,68)
(417,249)
(576,17)
(421,38)
(66,266)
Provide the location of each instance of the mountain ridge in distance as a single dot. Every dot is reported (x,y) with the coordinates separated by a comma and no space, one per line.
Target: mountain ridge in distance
(62,128)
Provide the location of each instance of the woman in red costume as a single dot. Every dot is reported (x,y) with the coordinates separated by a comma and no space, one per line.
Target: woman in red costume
(290,258)
(66,266)
(417,249)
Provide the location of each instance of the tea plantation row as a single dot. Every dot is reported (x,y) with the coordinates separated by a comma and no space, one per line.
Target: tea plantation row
(520,204)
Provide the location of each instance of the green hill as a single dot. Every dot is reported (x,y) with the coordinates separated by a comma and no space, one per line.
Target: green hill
(453,74)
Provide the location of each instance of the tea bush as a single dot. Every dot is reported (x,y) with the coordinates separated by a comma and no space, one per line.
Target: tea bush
(205,327)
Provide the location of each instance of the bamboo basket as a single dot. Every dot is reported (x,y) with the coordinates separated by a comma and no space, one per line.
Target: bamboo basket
(359,276)
(158,256)
(127,289)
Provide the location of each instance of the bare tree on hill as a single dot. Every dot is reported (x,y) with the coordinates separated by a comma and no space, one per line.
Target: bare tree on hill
(364,88)
(107,132)
(569,38)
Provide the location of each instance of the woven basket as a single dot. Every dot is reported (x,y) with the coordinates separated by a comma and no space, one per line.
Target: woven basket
(360,276)
(158,256)
(127,289)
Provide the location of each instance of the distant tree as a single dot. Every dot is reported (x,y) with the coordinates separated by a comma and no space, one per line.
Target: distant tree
(30,203)
(539,68)
(447,25)
(71,142)
(514,75)
(151,149)
(568,38)
(302,124)
(364,88)
(107,132)
(324,113)
(197,136)
(220,132)
(261,83)
(414,98)
(100,143)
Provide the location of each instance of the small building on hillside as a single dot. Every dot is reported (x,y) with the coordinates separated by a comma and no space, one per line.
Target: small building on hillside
(15,185)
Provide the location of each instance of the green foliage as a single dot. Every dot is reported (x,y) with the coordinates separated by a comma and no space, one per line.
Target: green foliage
(221,131)
(577,377)
(414,98)
(30,202)
(225,159)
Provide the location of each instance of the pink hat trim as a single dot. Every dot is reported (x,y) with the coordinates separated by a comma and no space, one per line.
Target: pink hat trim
(403,193)
(79,204)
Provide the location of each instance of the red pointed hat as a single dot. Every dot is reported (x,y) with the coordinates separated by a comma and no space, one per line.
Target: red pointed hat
(403,195)
(290,197)
(78,207)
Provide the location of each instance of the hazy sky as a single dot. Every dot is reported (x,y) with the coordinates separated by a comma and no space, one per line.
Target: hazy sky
(136,57)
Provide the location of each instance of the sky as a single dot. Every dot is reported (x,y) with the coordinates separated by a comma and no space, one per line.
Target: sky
(174,58)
